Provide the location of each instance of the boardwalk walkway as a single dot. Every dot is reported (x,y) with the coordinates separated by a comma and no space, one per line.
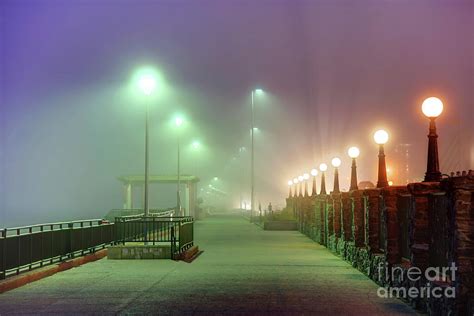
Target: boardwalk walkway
(243,271)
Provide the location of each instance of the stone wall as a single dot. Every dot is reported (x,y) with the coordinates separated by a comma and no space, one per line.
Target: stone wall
(422,225)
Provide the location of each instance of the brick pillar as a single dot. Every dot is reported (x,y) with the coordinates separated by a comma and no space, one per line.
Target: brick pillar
(337,206)
(391,223)
(358,216)
(346,216)
(321,202)
(329,216)
(419,222)
(373,219)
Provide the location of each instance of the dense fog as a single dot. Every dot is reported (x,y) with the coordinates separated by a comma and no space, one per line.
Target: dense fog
(332,71)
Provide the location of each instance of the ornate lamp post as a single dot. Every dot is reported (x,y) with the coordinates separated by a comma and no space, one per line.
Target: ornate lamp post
(381,138)
(323,167)
(295,190)
(290,183)
(300,181)
(353,152)
(432,108)
(314,173)
(306,178)
(336,162)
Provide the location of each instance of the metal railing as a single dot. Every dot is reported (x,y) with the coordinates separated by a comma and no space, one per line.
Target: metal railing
(177,231)
(28,247)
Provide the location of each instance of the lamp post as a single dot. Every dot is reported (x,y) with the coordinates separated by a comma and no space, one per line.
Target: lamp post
(252,160)
(290,183)
(179,121)
(314,173)
(323,167)
(353,152)
(336,162)
(295,193)
(306,178)
(300,181)
(147,84)
(381,138)
(432,108)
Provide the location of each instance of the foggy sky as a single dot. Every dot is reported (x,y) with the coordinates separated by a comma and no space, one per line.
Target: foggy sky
(334,71)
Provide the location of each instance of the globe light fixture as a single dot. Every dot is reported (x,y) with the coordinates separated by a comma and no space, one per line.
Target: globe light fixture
(336,162)
(353,152)
(314,173)
(323,167)
(432,107)
(381,138)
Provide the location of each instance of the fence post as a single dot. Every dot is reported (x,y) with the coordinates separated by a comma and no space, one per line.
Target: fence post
(4,254)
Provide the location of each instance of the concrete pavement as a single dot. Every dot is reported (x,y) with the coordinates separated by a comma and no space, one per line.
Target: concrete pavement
(243,271)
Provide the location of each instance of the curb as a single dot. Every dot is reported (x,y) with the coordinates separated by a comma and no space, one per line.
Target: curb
(38,274)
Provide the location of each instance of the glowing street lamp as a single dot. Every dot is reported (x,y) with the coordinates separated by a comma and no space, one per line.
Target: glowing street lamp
(252,160)
(353,152)
(323,167)
(314,173)
(306,178)
(290,183)
(300,181)
(147,84)
(336,162)
(432,108)
(381,138)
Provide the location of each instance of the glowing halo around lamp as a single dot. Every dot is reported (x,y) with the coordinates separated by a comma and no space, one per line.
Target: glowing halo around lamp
(300,178)
(323,167)
(314,172)
(390,183)
(147,84)
(290,183)
(336,162)
(353,152)
(432,107)
(295,180)
(381,137)
(306,176)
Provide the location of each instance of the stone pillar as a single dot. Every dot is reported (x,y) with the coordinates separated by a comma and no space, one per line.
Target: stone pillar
(358,217)
(372,216)
(336,202)
(321,201)
(346,216)
(419,222)
(329,216)
(392,223)
(127,188)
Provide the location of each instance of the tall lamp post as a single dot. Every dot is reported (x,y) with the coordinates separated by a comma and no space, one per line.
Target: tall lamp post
(290,183)
(295,193)
(353,152)
(306,178)
(179,121)
(252,160)
(300,181)
(432,108)
(336,162)
(323,167)
(381,138)
(314,173)
(147,84)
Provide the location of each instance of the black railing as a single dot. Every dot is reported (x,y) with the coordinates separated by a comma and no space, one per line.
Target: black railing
(28,247)
(177,231)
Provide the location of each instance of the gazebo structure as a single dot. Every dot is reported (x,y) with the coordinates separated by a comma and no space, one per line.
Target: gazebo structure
(190,182)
